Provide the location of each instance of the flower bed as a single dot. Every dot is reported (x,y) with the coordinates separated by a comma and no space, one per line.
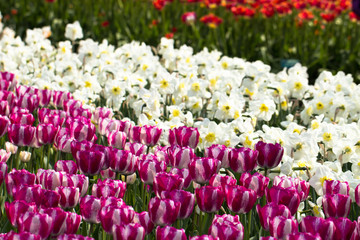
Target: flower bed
(103,141)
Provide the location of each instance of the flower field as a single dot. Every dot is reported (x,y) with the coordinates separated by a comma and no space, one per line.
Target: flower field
(167,141)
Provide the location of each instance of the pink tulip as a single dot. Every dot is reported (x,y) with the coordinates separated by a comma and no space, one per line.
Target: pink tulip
(28,193)
(202,169)
(286,196)
(269,211)
(22,118)
(21,135)
(72,223)
(183,173)
(90,209)
(186,200)
(113,215)
(69,196)
(21,236)
(240,199)
(167,182)
(188,17)
(180,157)
(144,220)
(130,231)
(44,96)
(102,112)
(336,187)
(117,139)
(135,148)
(302,186)
(108,173)
(18,178)
(344,227)
(184,136)
(36,223)
(9,97)
(149,168)
(28,101)
(90,162)
(79,181)
(281,226)
(62,141)
(336,205)
(218,180)
(67,166)
(109,188)
(71,104)
(204,237)
(4,108)
(50,199)
(270,154)
(73,237)
(50,179)
(209,199)
(107,125)
(314,225)
(46,133)
(303,236)
(81,130)
(3,171)
(59,219)
(123,162)
(16,209)
(227,227)
(59,97)
(9,77)
(219,152)
(243,159)
(170,233)
(163,211)
(111,201)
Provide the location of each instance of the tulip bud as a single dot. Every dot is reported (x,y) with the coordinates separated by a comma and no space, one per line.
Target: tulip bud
(269,211)
(11,147)
(240,199)
(133,231)
(270,154)
(336,205)
(202,169)
(144,220)
(36,223)
(209,198)
(170,233)
(25,156)
(184,136)
(163,211)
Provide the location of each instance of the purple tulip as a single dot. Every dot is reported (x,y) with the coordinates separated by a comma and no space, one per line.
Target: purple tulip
(50,199)
(73,221)
(186,200)
(79,181)
(108,173)
(163,211)
(227,228)
(218,180)
(183,173)
(219,152)
(109,188)
(204,237)
(286,196)
(180,157)
(67,166)
(16,209)
(130,231)
(28,193)
(90,209)
(36,223)
(50,179)
(243,159)
(44,96)
(107,125)
(62,141)
(184,136)
(170,233)
(90,162)
(269,211)
(149,135)
(71,105)
(202,169)
(240,199)
(336,205)
(59,219)
(209,199)
(314,225)
(135,148)
(123,162)
(21,135)
(59,97)
(81,130)
(149,168)
(114,215)
(281,226)
(22,118)
(46,133)
(336,187)
(8,96)
(117,139)
(21,236)
(69,196)
(302,187)
(167,182)
(303,236)
(28,101)
(144,220)
(4,108)
(270,154)
(102,112)
(18,178)
(73,237)
(344,227)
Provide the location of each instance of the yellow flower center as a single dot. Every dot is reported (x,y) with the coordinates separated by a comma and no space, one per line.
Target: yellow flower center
(164,83)
(224,65)
(264,108)
(144,67)
(319,106)
(87,84)
(236,114)
(226,108)
(195,87)
(116,90)
(210,137)
(338,87)
(315,125)
(176,113)
(298,86)
(323,179)
(327,136)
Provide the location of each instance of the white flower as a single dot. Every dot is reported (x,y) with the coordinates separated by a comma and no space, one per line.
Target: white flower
(263,108)
(73,31)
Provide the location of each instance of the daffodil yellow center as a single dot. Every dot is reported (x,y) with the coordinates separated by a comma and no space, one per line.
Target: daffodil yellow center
(210,137)
(116,90)
(164,83)
(327,136)
(263,108)
(195,87)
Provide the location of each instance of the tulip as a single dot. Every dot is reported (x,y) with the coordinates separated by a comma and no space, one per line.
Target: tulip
(4,124)
(106,151)
(188,17)
(102,112)
(62,141)
(269,211)
(16,209)
(50,179)
(218,180)
(286,196)
(108,173)
(59,97)
(20,236)
(69,196)
(209,198)
(22,118)
(46,133)
(116,139)
(336,205)
(18,178)
(71,105)
(163,211)
(125,126)
(281,226)
(186,200)
(202,169)
(55,120)
(10,147)
(270,154)
(80,112)
(183,173)
(29,193)
(59,219)
(135,148)
(9,78)
(227,227)
(302,187)
(268,238)
(44,96)
(109,188)
(90,209)
(314,225)
(303,236)
(240,199)
(4,108)
(336,187)
(170,233)
(243,159)
(180,157)
(79,181)
(184,136)
(167,182)
(149,168)
(8,96)
(21,135)
(204,237)
(111,201)
(144,220)
(90,162)
(219,152)
(3,171)
(81,130)
(113,215)
(123,162)
(36,223)
(72,223)
(67,166)
(131,231)
(344,227)
(50,199)
(107,125)
(73,237)
(28,101)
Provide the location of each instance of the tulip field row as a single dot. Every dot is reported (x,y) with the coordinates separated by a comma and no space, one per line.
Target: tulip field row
(141,142)
(321,34)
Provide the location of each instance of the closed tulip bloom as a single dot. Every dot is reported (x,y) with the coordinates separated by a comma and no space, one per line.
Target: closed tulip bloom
(90,162)
(62,141)
(202,169)
(73,237)
(130,231)
(4,108)
(184,136)
(36,223)
(71,104)
(109,188)
(117,139)
(303,236)
(163,211)
(136,148)
(144,220)
(219,152)
(56,120)
(8,96)
(149,168)
(183,173)
(185,198)
(90,209)
(18,178)
(111,201)
(344,227)
(243,159)
(80,181)
(82,131)
(107,154)
(123,162)
(286,196)
(170,233)
(167,182)
(336,187)
(180,157)
(59,219)
(114,215)
(270,154)
(108,173)
(28,101)
(314,225)
(69,196)
(72,224)
(336,205)
(67,166)
(107,125)
(149,135)
(50,179)
(302,187)
(209,198)
(44,96)
(268,238)
(281,226)
(240,199)
(17,208)
(269,211)
(4,124)
(45,133)
(21,236)
(227,230)
(29,193)
(21,135)
(102,112)
(22,118)
(218,180)
(59,97)
(81,112)
(204,237)
(50,199)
